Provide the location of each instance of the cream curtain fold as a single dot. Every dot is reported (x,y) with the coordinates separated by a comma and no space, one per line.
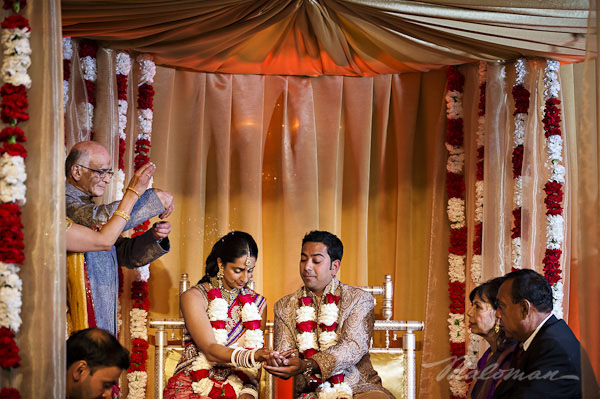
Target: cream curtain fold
(331,37)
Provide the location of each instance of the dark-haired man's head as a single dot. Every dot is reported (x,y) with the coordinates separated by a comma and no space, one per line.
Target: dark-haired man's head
(95,360)
(320,259)
(524,301)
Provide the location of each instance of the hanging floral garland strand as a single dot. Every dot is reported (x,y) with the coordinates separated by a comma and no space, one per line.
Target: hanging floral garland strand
(123,68)
(554,186)
(476,261)
(520,115)
(455,189)
(17,59)
(137,375)
(67,46)
(87,54)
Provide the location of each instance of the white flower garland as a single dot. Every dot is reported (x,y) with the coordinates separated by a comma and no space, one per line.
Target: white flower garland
(520,123)
(10,297)
(306,340)
(123,68)
(17,52)
(86,110)
(554,148)
(137,381)
(12,178)
(67,46)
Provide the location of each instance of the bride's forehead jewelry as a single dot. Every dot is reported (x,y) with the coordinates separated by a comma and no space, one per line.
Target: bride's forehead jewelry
(248,257)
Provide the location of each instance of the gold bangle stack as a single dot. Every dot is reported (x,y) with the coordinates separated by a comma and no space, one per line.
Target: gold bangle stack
(124,215)
(133,190)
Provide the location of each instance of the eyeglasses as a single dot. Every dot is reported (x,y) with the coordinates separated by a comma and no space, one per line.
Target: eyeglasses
(102,173)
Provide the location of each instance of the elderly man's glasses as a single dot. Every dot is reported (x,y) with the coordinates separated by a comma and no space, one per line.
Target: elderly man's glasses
(102,173)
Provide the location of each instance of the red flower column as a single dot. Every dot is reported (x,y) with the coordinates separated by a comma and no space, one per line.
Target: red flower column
(14,104)
(455,189)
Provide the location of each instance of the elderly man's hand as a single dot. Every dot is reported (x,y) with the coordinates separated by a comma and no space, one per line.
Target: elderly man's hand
(166,198)
(161,230)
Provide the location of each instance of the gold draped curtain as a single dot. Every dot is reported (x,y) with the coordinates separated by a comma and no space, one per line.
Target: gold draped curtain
(331,37)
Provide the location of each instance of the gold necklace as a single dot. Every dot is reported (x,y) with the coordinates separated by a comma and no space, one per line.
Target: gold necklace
(228,295)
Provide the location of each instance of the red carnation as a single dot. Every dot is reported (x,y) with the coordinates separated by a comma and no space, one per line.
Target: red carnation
(329,328)
(336,379)
(122,87)
(15,21)
(145,96)
(478,238)
(517,160)
(552,265)
(455,185)
(121,153)
(516,230)
(309,353)
(246,298)
(214,293)
(482,87)
(9,351)
(521,97)
(66,69)
(11,4)
(306,326)
(457,349)
(90,88)
(218,324)
(252,324)
(10,255)
(330,298)
(14,150)
(10,393)
(458,241)
(454,132)
(88,48)
(456,291)
(12,134)
(141,160)
(455,80)
(305,301)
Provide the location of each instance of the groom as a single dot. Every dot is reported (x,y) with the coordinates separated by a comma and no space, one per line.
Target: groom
(325,328)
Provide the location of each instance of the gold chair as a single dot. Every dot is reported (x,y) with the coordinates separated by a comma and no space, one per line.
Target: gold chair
(396,366)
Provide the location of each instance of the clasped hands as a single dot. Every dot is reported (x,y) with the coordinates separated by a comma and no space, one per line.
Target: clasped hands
(284,365)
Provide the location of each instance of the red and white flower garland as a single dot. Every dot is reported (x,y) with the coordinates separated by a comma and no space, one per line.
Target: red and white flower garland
(137,376)
(87,55)
(520,115)
(306,324)
(123,68)
(455,187)
(476,261)
(554,186)
(203,383)
(17,51)
(67,47)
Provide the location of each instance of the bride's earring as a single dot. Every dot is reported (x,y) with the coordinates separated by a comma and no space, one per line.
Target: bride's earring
(220,276)
(497,326)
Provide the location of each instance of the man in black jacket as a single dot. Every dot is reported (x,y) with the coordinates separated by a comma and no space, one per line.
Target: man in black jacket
(547,362)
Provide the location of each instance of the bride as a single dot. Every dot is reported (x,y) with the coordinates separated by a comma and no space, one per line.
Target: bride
(224,323)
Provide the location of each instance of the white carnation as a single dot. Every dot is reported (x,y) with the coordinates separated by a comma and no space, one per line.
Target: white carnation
(137,384)
(88,65)
(456,163)
(519,132)
(458,387)
(250,312)
(554,231)
(455,150)
(516,253)
(120,186)
(202,387)
(67,46)
(147,68)
(456,267)
(521,71)
(306,340)
(557,300)
(456,212)
(517,190)
(138,327)
(480,131)
(217,309)
(145,120)
(220,335)
(12,178)
(476,270)
(142,273)
(554,146)
(456,327)
(329,314)
(65,94)
(253,339)
(327,339)
(305,313)
(123,66)
(558,172)
(200,363)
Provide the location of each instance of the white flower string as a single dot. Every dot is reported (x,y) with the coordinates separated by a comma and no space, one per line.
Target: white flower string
(67,46)
(252,338)
(87,59)
(308,344)
(123,68)
(520,115)
(142,274)
(476,260)
(554,185)
(455,187)
(14,73)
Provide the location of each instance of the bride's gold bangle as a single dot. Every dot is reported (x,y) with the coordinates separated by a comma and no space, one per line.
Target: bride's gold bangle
(122,214)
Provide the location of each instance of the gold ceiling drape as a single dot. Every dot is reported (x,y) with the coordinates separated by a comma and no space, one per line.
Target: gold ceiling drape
(331,37)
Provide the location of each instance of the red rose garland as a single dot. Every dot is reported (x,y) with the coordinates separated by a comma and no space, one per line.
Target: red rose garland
(87,55)
(520,115)
(455,189)
(554,186)
(137,376)
(14,104)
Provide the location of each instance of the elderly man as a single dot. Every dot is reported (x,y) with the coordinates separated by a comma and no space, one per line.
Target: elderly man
(547,362)
(88,171)
(323,330)
(95,360)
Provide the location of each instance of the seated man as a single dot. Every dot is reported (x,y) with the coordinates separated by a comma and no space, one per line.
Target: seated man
(547,363)
(323,330)
(95,360)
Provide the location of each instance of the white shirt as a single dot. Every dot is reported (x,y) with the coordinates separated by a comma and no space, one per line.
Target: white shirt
(532,336)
